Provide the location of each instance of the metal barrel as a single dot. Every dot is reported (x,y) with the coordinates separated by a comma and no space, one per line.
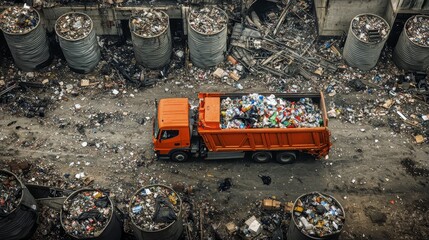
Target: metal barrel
(207,49)
(408,54)
(152,51)
(21,223)
(298,233)
(172,231)
(363,54)
(83,53)
(30,50)
(112,229)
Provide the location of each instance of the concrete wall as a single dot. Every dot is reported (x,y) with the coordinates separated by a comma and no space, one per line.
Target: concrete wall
(334,16)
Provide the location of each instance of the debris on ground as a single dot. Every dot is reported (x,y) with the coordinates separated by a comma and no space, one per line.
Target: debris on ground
(225,185)
(265,179)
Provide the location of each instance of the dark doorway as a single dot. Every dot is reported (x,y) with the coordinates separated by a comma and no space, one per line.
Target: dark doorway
(397,28)
(126,32)
(177,32)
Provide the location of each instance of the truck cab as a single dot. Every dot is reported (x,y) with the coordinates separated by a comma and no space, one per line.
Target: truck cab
(171,129)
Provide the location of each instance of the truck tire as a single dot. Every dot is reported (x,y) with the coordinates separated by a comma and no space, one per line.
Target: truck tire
(179,156)
(286,157)
(262,157)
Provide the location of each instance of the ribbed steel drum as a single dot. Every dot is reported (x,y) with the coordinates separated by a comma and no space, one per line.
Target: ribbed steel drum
(365,41)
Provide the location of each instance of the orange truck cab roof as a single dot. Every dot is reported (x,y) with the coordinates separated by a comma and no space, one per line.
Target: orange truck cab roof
(209,113)
(173,112)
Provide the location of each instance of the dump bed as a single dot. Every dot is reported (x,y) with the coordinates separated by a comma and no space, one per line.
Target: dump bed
(217,137)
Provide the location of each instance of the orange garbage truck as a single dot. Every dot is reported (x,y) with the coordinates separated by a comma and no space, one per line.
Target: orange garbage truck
(261,126)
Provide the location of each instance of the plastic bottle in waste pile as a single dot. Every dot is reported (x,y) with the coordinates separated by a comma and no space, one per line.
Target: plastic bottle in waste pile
(10,194)
(258,111)
(86,213)
(318,215)
(154,207)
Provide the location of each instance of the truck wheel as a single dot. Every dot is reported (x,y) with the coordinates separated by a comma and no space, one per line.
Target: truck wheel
(179,156)
(262,157)
(286,157)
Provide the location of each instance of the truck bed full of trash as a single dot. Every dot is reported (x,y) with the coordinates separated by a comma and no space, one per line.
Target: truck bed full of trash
(258,111)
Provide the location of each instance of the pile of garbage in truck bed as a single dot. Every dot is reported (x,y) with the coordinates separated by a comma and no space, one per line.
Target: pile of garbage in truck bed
(258,111)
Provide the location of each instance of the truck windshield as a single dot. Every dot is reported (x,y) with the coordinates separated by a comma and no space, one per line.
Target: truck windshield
(155,124)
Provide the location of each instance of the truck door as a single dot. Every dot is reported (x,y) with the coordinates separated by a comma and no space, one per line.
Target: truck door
(170,139)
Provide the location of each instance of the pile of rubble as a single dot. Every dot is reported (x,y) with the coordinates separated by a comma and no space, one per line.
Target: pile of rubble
(207,20)
(318,215)
(73,26)
(87,213)
(418,30)
(369,28)
(258,111)
(10,193)
(149,23)
(18,20)
(154,207)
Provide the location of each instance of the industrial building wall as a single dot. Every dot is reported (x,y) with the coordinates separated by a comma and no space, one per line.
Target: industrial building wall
(334,16)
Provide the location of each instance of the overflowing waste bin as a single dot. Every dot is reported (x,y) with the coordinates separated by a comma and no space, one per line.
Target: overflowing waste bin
(316,216)
(155,213)
(365,40)
(207,36)
(151,36)
(25,37)
(18,209)
(90,214)
(411,53)
(78,41)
